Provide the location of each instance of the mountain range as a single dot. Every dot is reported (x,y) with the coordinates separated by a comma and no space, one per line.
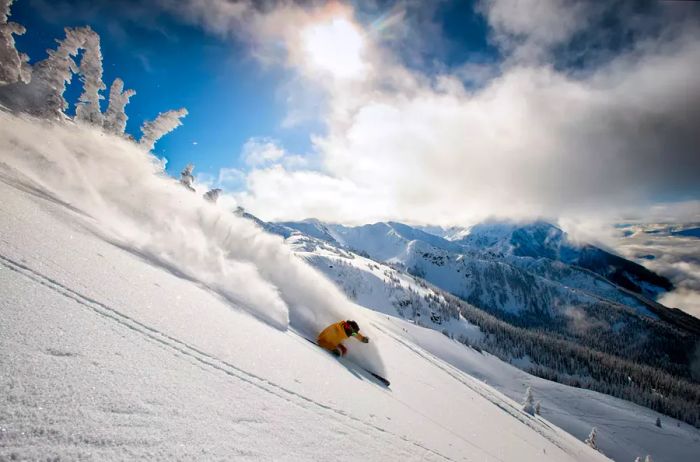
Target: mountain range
(564,310)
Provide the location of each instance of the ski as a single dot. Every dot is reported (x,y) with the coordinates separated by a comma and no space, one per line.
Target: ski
(384,381)
(379,378)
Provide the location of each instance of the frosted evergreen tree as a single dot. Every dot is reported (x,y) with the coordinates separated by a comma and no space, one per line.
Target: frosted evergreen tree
(14,66)
(658,422)
(529,402)
(88,107)
(648,458)
(115,117)
(43,96)
(52,74)
(166,122)
(538,407)
(591,439)
(186,178)
(212,195)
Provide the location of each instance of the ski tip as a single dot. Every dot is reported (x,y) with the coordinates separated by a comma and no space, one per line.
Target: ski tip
(384,381)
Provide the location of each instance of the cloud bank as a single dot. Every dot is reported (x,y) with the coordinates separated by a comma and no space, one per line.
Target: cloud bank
(535,140)
(675,256)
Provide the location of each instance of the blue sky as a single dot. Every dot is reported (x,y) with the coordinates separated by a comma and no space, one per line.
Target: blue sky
(439,112)
(230,97)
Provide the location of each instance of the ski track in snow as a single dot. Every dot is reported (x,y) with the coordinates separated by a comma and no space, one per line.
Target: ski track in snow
(179,347)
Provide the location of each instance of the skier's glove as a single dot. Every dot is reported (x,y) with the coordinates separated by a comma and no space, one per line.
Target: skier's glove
(365,340)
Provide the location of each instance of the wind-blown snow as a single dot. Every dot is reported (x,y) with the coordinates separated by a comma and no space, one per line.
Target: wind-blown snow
(133,204)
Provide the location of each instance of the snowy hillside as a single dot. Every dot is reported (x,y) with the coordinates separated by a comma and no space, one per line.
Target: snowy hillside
(140,321)
(531,276)
(626,429)
(147,313)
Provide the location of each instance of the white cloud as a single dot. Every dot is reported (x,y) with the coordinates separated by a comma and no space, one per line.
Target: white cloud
(262,25)
(276,193)
(529,28)
(295,162)
(530,140)
(261,151)
(673,256)
(219,16)
(686,299)
(231,178)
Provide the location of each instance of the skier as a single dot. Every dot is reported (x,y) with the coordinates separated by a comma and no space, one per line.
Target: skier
(331,338)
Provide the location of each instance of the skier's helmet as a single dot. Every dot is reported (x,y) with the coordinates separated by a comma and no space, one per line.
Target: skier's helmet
(354,326)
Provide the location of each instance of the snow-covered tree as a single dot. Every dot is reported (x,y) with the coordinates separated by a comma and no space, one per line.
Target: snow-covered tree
(212,195)
(88,107)
(43,96)
(658,422)
(538,407)
(529,402)
(591,439)
(638,459)
(648,458)
(14,66)
(166,122)
(186,178)
(52,74)
(115,117)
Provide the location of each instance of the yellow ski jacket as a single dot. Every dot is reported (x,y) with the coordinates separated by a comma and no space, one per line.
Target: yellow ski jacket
(333,335)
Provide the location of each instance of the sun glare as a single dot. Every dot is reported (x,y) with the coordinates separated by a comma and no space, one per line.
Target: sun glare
(335,46)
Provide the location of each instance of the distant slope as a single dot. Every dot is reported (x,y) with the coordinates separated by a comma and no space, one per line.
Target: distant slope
(311,227)
(543,240)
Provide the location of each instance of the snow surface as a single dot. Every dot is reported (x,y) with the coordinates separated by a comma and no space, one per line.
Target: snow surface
(382,241)
(130,329)
(625,430)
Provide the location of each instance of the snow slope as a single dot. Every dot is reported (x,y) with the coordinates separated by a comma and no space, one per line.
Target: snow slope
(625,430)
(113,347)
